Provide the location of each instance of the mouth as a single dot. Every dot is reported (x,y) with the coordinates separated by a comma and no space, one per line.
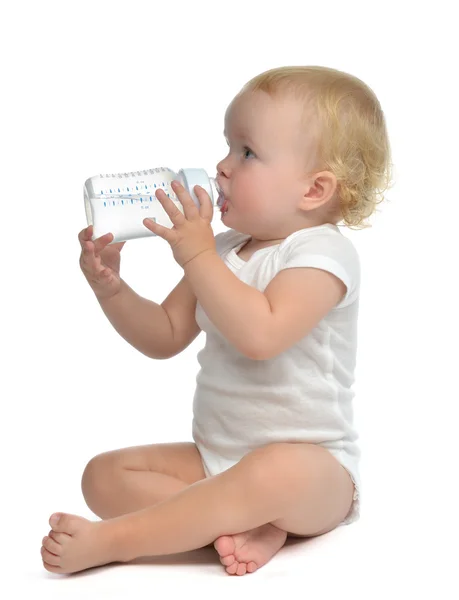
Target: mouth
(222,202)
(220,199)
(224,207)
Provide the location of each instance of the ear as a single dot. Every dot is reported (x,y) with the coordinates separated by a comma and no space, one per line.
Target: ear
(320,188)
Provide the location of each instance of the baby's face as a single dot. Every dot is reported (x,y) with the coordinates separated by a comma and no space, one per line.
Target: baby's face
(267,158)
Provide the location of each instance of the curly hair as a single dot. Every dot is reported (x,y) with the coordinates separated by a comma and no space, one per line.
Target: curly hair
(352,139)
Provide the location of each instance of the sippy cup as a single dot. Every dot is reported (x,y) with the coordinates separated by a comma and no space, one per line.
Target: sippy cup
(119,203)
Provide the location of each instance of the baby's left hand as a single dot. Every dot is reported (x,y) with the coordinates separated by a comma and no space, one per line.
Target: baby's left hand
(192,232)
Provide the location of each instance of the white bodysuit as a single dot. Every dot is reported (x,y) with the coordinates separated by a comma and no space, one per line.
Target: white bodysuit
(301,395)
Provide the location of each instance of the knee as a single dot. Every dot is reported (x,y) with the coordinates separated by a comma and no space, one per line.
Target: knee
(96,475)
(268,466)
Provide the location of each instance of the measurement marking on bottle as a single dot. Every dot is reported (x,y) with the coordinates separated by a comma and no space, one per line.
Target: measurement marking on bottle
(118,201)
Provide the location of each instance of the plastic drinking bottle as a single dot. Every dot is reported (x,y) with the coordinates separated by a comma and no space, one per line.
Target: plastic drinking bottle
(119,203)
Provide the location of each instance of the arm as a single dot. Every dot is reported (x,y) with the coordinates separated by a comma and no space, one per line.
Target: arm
(239,311)
(263,324)
(141,322)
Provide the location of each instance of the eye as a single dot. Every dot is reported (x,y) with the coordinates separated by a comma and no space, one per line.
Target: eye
(246,149)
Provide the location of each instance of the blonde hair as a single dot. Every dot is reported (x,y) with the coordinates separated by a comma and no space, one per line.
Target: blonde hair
(352,140)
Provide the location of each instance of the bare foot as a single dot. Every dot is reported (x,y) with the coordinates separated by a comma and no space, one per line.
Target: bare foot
(75,544)
(246,552)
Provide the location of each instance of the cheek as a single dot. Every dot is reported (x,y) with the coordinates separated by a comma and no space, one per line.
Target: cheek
(254,193)
(258,187)
(245,192)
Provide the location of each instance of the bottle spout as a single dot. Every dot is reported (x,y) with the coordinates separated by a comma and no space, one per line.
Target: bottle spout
(191,177)
(217,187)
(217,192)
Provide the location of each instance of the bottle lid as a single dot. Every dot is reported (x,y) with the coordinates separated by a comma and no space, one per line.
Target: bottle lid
(192,177)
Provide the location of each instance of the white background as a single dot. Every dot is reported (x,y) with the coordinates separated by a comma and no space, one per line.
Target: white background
(103,87)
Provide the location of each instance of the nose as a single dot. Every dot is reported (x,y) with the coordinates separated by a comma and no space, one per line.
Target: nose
(223,170)
(222,174)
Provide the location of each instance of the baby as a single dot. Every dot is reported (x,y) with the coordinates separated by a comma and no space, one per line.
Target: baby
(275,452)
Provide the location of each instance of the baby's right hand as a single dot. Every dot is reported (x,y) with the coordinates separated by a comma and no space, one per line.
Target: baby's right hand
(100,263)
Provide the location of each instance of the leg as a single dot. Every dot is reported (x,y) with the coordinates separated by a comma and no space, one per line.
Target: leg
(123,481)
(300,488)
(326,490)
(284,484)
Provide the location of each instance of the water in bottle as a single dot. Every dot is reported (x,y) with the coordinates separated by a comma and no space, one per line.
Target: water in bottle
(119,203)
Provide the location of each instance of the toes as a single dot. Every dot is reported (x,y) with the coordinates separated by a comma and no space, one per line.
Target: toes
(49,558)
(237,568)
(241,568)
(55,521)
(51,569)
(227,560)
(52,546)
(60,538)
(251,567)
(224,545)
(232,568)
(65,522)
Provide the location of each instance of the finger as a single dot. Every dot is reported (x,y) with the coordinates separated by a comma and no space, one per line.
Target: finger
(87,264)
(85,234)
(99,243)
(163,232)
(87,247)
(88,257)
(189,207)
(205,203)
(102,241)
(92,264)
(175,215)
(90,254)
